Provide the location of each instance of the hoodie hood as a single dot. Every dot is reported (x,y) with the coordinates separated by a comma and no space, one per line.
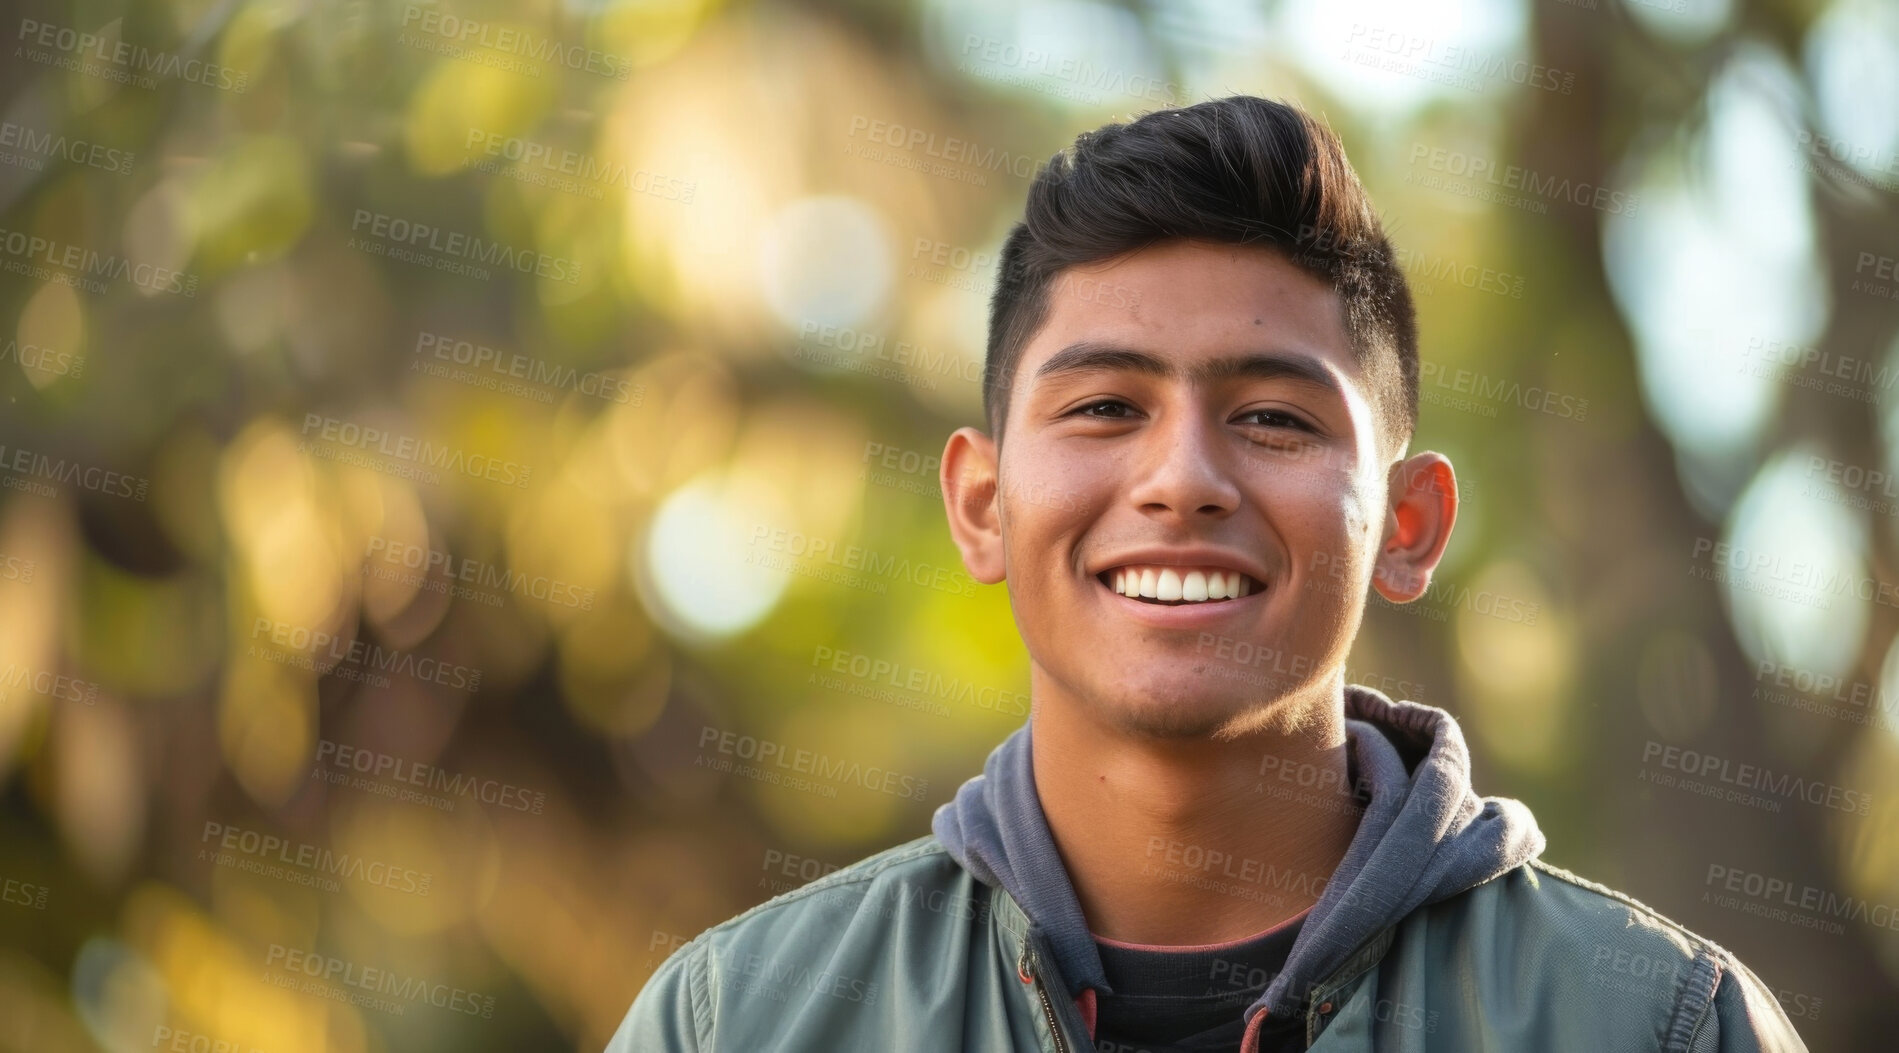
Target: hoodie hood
(1424,836)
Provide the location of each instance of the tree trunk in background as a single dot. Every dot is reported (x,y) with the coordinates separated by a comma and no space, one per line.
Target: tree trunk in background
(1630,548)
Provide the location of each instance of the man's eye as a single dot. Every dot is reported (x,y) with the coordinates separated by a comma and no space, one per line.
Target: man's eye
(1117,410)
(1277,419)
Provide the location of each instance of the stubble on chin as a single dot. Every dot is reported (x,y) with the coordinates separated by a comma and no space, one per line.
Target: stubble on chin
(1177,719)
(1269,709)
(1165,723)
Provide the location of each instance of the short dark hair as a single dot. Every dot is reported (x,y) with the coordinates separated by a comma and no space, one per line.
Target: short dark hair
(1240,170)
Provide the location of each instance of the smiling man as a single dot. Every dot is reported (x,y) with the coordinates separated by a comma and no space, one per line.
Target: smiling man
(1201,387)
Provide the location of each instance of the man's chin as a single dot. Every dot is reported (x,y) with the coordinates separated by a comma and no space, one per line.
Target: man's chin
(1157,716)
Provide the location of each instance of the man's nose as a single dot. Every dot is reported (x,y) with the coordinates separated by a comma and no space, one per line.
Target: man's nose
(1184,470)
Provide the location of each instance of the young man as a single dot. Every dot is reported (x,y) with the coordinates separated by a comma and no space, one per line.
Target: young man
(1202,382)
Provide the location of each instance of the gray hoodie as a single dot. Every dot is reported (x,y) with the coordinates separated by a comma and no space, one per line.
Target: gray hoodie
(1424,836)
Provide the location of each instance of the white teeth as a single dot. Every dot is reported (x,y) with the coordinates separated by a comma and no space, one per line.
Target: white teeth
(1194,586)
(1173,584)
(1168,587)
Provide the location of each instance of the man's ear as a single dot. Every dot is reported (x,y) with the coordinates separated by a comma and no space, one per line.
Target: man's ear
(969,477)
(1422,502)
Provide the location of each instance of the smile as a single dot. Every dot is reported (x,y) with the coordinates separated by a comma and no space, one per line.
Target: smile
(1168,585)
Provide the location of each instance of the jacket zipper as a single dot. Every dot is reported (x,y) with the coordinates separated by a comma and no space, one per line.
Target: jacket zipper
(1048,1007)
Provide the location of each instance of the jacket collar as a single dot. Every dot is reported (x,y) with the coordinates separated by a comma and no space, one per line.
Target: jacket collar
(1424,836)
(1028,948)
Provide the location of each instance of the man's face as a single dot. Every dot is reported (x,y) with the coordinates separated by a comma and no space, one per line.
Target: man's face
(1187,411)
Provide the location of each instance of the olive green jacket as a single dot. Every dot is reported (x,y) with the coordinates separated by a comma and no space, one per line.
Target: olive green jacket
(906,951)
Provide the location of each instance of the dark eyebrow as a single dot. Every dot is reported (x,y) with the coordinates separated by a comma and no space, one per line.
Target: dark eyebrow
(1091,357)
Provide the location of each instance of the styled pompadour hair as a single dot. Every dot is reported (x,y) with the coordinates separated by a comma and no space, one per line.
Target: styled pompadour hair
(1240,170)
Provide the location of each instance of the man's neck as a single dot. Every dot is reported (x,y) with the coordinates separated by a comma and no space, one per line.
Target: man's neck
(1194,841)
